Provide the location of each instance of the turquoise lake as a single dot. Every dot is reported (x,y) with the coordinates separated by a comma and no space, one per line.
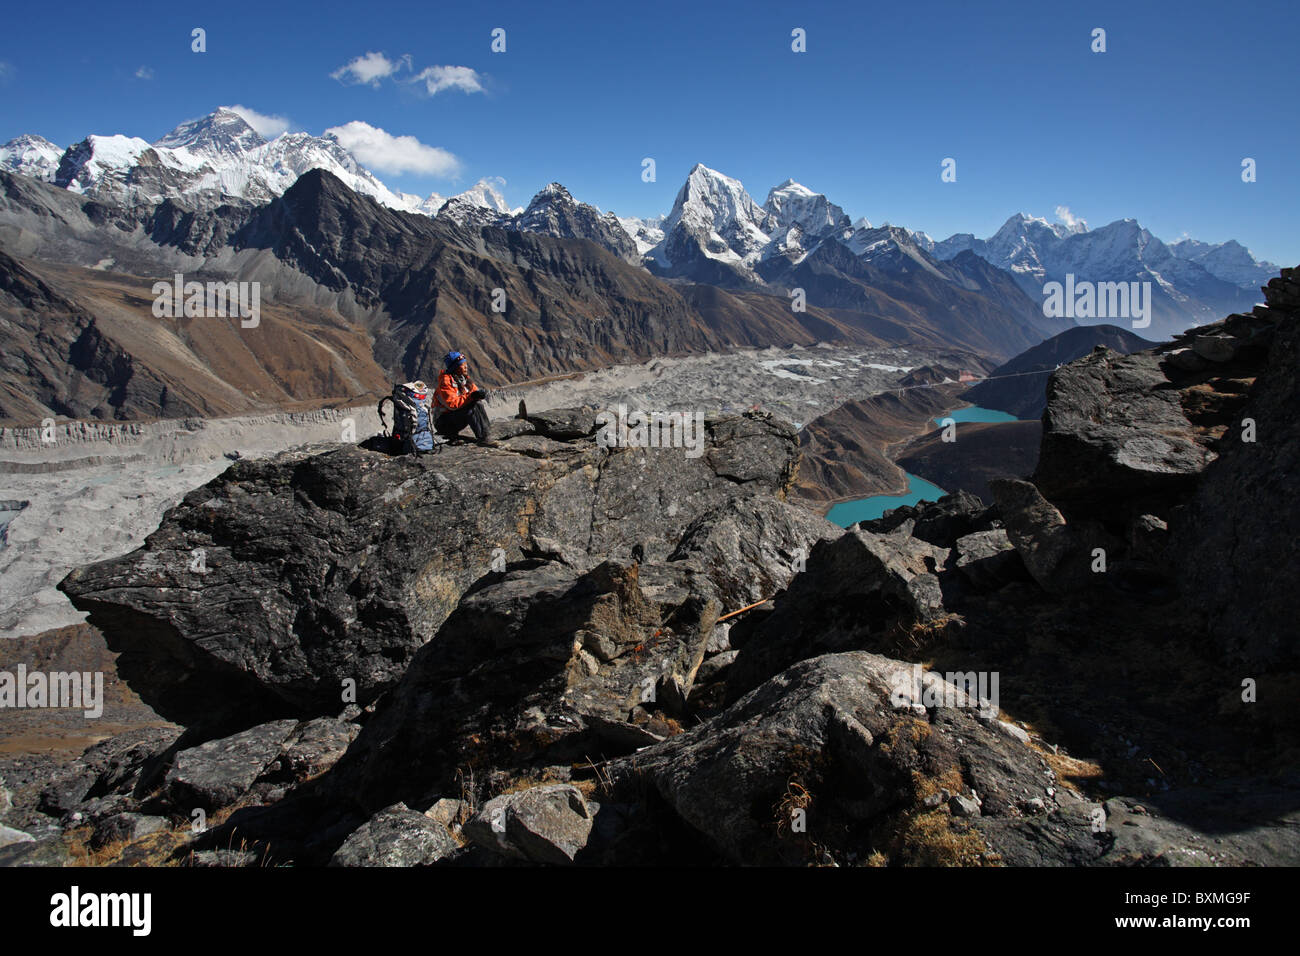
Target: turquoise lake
(974,413)
(918,489)
(865,509)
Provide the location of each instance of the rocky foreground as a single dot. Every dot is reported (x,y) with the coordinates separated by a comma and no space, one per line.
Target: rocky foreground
(518,654)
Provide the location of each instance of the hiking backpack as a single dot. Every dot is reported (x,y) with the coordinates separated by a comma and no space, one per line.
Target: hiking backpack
(412,418)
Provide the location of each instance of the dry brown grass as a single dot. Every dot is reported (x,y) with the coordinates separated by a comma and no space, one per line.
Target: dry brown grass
(796,798)
(925,785)
(1072,769)
(153,849)
(528,781)
(908,640)
(911,731)
(933,839)
(465,776)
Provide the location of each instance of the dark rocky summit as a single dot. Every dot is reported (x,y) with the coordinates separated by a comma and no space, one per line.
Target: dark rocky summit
(1091,669)
(1018,386)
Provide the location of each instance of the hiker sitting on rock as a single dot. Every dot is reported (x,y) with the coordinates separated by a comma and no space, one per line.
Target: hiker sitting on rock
(458,402)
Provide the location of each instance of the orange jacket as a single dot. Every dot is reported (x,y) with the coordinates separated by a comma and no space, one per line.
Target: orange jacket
(449,396)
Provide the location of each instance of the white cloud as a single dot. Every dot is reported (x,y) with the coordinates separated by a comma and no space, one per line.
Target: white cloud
(1070,219)
(268,127)
(439,78)
(6,70)
(371,68)
(382,151)
(144,73)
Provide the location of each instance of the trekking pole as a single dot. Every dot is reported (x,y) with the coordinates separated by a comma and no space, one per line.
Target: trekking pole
(747,607)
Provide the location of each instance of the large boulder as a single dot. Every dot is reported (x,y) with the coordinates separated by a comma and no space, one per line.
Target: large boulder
(1115,427)
(281,582)
(125,828)
(544,666)
(940,522)
(751,548)
(314,571)
(396,836)
(546,824)
(1049,548)
(832,756)
(219,772)
(622,497)
(314,747)
(858,591)
(987,559)
(565,424)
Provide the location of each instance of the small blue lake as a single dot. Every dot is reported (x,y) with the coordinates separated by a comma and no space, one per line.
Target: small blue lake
(973,413)
(866,509)
(918,489)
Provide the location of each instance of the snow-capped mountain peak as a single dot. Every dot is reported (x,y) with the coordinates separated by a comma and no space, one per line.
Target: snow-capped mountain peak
(1229,261)
(708,198)
(102,165)
(713,216)
(924,240)
(487,193)
(551,203)
(646,233)
(211,160)
(480,205)
(554,212)
(793,204)
(221,134)
(31,155)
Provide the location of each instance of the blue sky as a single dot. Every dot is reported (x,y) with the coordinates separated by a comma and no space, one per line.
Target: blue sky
(1155,128)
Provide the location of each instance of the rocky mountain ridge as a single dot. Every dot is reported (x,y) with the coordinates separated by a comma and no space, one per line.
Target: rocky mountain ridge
(339,318)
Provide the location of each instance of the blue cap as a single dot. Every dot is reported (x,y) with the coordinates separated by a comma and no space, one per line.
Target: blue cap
(452,360)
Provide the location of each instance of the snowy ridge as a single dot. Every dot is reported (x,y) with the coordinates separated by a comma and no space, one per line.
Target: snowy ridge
(713,218)
(1036,251)
(31,155)
(793,204)
(211,160)
(646,233)
(207,161)
(1229,261)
